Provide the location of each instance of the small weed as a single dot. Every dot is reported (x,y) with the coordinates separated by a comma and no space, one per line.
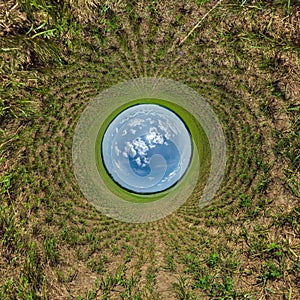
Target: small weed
(244,200)
(224,289)
(182,290)
(271,271)
(98,265)
(170,263)
(151,276)
(212,260)
(262,184)
(50,248)
(115,250)
(200,2)
(5,182)
(204,283)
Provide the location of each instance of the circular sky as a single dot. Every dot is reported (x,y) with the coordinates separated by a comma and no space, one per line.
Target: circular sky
(146,148)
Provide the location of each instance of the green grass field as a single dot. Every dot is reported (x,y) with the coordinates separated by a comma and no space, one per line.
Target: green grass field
(242,56)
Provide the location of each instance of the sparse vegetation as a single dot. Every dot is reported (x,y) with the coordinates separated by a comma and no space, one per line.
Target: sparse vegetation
(55,56)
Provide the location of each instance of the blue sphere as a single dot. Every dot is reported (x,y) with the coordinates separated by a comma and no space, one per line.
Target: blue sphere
(146,149)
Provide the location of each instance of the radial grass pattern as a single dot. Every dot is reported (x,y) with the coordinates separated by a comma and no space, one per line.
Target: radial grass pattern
(207,166)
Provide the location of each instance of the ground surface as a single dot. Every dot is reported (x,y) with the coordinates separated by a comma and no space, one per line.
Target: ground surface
(243,58)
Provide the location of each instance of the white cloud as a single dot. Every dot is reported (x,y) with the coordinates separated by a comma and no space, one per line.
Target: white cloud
(136,122)
(172,175)
(150,121)
(117,150)
(138,161)
(164,127)
(117,165)
(154,136)
(140,146)
(129,150)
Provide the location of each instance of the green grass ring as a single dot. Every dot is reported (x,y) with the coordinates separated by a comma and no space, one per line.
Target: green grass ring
(200,142)
(206,169)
